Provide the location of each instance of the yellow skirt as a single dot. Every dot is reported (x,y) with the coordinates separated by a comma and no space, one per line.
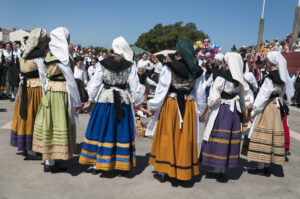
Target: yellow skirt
(267,140)
(22,129)
(174,150)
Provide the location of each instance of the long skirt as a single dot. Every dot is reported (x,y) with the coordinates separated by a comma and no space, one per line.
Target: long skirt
(267,140)
(286,133)
(84,97)
(109,143)
(22,129)
(53,134)
(13,75)
(223,148)
(174,150)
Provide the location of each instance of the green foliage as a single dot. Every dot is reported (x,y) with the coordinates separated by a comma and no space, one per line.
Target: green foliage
(165,37)
(98,49)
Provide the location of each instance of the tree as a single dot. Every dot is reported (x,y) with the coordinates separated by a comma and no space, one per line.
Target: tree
(165,37)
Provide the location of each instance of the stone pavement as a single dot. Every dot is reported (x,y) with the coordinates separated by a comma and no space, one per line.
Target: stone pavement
(21,179)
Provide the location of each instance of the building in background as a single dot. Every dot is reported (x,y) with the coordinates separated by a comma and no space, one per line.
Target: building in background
(4,35)
(17,35)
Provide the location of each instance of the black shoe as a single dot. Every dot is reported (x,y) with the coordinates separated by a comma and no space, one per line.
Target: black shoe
(255,171)
(123,173)
(267,172)
(222,178)
(23,153)
(159,177)
(33,157)
(94,171)
(287,153)
(12,99)
(212,175)
(54,169)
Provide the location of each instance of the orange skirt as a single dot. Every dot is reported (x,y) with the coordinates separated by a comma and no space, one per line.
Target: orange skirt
(22,129)
(174,150)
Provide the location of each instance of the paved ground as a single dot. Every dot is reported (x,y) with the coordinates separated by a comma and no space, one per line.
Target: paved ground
(25,179)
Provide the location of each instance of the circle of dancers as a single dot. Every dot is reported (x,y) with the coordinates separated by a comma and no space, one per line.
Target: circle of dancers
(240,117)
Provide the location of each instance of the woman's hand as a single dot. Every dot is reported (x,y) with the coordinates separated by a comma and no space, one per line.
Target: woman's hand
(78,109)
(87,106)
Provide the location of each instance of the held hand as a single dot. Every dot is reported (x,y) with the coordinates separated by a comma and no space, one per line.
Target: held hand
(87,106)
(202,118)
(78,109)
(251,119)
(250,106)
(151,113)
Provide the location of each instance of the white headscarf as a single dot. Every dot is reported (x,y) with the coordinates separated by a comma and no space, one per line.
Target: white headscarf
(235,64)
(35,36)
(219,57)
(276,58)
(59,44)
(121,47)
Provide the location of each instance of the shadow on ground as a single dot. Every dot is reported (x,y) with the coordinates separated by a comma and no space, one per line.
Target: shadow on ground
(141,164)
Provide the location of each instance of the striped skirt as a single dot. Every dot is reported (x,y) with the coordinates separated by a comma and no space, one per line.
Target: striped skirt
(223,148)
(267,140)
(174,150)
(53,134)
(22,129)
(109,143)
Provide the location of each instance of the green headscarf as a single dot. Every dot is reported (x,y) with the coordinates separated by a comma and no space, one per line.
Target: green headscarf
(185,48)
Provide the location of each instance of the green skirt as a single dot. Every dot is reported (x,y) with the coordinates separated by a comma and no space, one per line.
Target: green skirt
(53,134)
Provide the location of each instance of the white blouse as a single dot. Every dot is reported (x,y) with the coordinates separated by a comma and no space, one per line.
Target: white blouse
(241,101)
(80,73)
(95,85)
(158,67)
(263,96)
(145,64)
(161,92)
(92,70)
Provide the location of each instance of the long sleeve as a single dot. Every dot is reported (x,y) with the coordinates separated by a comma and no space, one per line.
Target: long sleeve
(151,82)
(199,94)
(135,86)
(245,96)
(91,72)
(162,88)
(85,79)
(94,85)
(262,97)
(42,72)
(215,92)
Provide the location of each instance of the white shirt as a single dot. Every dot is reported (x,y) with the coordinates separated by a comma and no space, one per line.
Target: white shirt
(80,73)
(100,58)
(92,70)
(7,55)
(145,64)
(158,67)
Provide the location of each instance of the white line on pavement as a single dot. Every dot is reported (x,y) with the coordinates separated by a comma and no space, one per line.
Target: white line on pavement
(295,135)
(6,126)
(294,109)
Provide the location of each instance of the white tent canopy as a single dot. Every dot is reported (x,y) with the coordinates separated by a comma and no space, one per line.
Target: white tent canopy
(165,52)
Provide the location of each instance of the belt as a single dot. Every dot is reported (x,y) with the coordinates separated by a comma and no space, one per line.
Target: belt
(117,98)
(24,100)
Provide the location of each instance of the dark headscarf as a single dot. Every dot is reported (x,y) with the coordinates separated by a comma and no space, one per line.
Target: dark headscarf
(160,58)
(186,51)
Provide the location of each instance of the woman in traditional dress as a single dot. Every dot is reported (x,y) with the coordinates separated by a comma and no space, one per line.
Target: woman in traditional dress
(178,101)
(33,72)
(267,133)
(14,71)
(228,98)
(7,62)
(54,132)
(80,76)
(109,139)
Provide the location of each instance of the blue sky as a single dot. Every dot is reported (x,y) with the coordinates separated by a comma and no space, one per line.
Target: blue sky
(97,22)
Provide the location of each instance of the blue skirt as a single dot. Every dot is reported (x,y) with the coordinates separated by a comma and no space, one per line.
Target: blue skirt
(109,143)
